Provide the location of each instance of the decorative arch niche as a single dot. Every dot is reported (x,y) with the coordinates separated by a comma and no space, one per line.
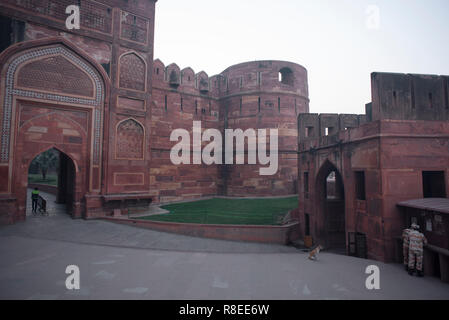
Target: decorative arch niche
(133,72)
(130,140)
(49,74)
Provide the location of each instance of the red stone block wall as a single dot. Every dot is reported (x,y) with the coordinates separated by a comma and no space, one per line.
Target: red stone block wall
(97,95)
(392,154)
(226,101)
(108,139)
(254,98)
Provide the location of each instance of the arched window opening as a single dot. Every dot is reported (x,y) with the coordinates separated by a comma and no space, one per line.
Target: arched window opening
(286,76)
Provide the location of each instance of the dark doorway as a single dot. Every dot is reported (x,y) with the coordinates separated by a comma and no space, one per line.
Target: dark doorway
(433,184)
(331,208)
(53,173)
(66,182)
(307,225)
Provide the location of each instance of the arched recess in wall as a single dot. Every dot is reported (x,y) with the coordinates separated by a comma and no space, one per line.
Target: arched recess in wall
(330,204)
(130,140)
(50,75)
(132,72)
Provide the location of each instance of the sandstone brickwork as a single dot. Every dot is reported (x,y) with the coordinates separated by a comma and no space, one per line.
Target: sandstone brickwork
(404,134)
(98,96)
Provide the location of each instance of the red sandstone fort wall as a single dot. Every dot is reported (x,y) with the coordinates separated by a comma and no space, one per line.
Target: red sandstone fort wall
(144,101)
(245,96)
(406,134)
(255,98)
(115,42)
(178,101)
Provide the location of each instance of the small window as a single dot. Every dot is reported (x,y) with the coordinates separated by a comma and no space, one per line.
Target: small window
(307,224)
(286,76)
(106,67)
(11,31)
(309,132)
(433,184)
(306,185)
(258,105)
(165,103)
(360,185)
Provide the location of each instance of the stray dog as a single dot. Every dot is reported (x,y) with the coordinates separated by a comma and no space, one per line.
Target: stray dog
(313,255)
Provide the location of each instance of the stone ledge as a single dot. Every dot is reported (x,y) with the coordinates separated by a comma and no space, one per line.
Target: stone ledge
(247,233)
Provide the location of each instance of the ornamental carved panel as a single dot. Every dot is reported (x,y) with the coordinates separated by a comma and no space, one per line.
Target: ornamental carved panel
(132,72)
(94,15)
(134,28)
(56,74)
(130,137)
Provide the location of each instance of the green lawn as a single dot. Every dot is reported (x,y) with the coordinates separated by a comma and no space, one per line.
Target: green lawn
(51,179)
(229,211)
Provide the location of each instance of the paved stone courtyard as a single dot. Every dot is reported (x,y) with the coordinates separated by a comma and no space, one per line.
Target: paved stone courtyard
(121,262)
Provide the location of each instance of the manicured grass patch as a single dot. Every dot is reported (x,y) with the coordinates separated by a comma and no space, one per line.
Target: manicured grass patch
(229,211)
(50,179)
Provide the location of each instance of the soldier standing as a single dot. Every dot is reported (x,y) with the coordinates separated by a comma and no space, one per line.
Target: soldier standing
(417,240)
(405,246)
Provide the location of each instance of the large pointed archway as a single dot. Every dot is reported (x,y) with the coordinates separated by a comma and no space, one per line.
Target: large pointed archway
(53,96)
(331,222)
(53,173)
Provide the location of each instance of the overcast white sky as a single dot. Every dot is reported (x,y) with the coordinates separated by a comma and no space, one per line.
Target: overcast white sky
(336,40)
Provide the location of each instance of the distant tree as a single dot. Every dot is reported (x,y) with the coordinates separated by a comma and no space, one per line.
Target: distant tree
(45,161)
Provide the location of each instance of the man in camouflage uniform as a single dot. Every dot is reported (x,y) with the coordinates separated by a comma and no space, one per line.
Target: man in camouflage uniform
(417,241)
(405,245)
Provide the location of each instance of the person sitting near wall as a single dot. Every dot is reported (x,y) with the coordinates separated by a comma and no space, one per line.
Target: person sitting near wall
(34,199)
(417,241)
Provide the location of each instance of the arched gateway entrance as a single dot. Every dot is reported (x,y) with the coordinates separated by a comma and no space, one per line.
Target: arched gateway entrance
(52,97)
(59,179)
(331,208)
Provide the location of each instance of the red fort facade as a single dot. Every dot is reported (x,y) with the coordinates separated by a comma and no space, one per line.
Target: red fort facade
(98,97)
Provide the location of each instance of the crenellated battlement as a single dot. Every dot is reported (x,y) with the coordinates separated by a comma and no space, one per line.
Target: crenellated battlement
(172,77)
(314,125)
(409,97)
(268,76)
(277,77)
(256,95)
(394,97)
